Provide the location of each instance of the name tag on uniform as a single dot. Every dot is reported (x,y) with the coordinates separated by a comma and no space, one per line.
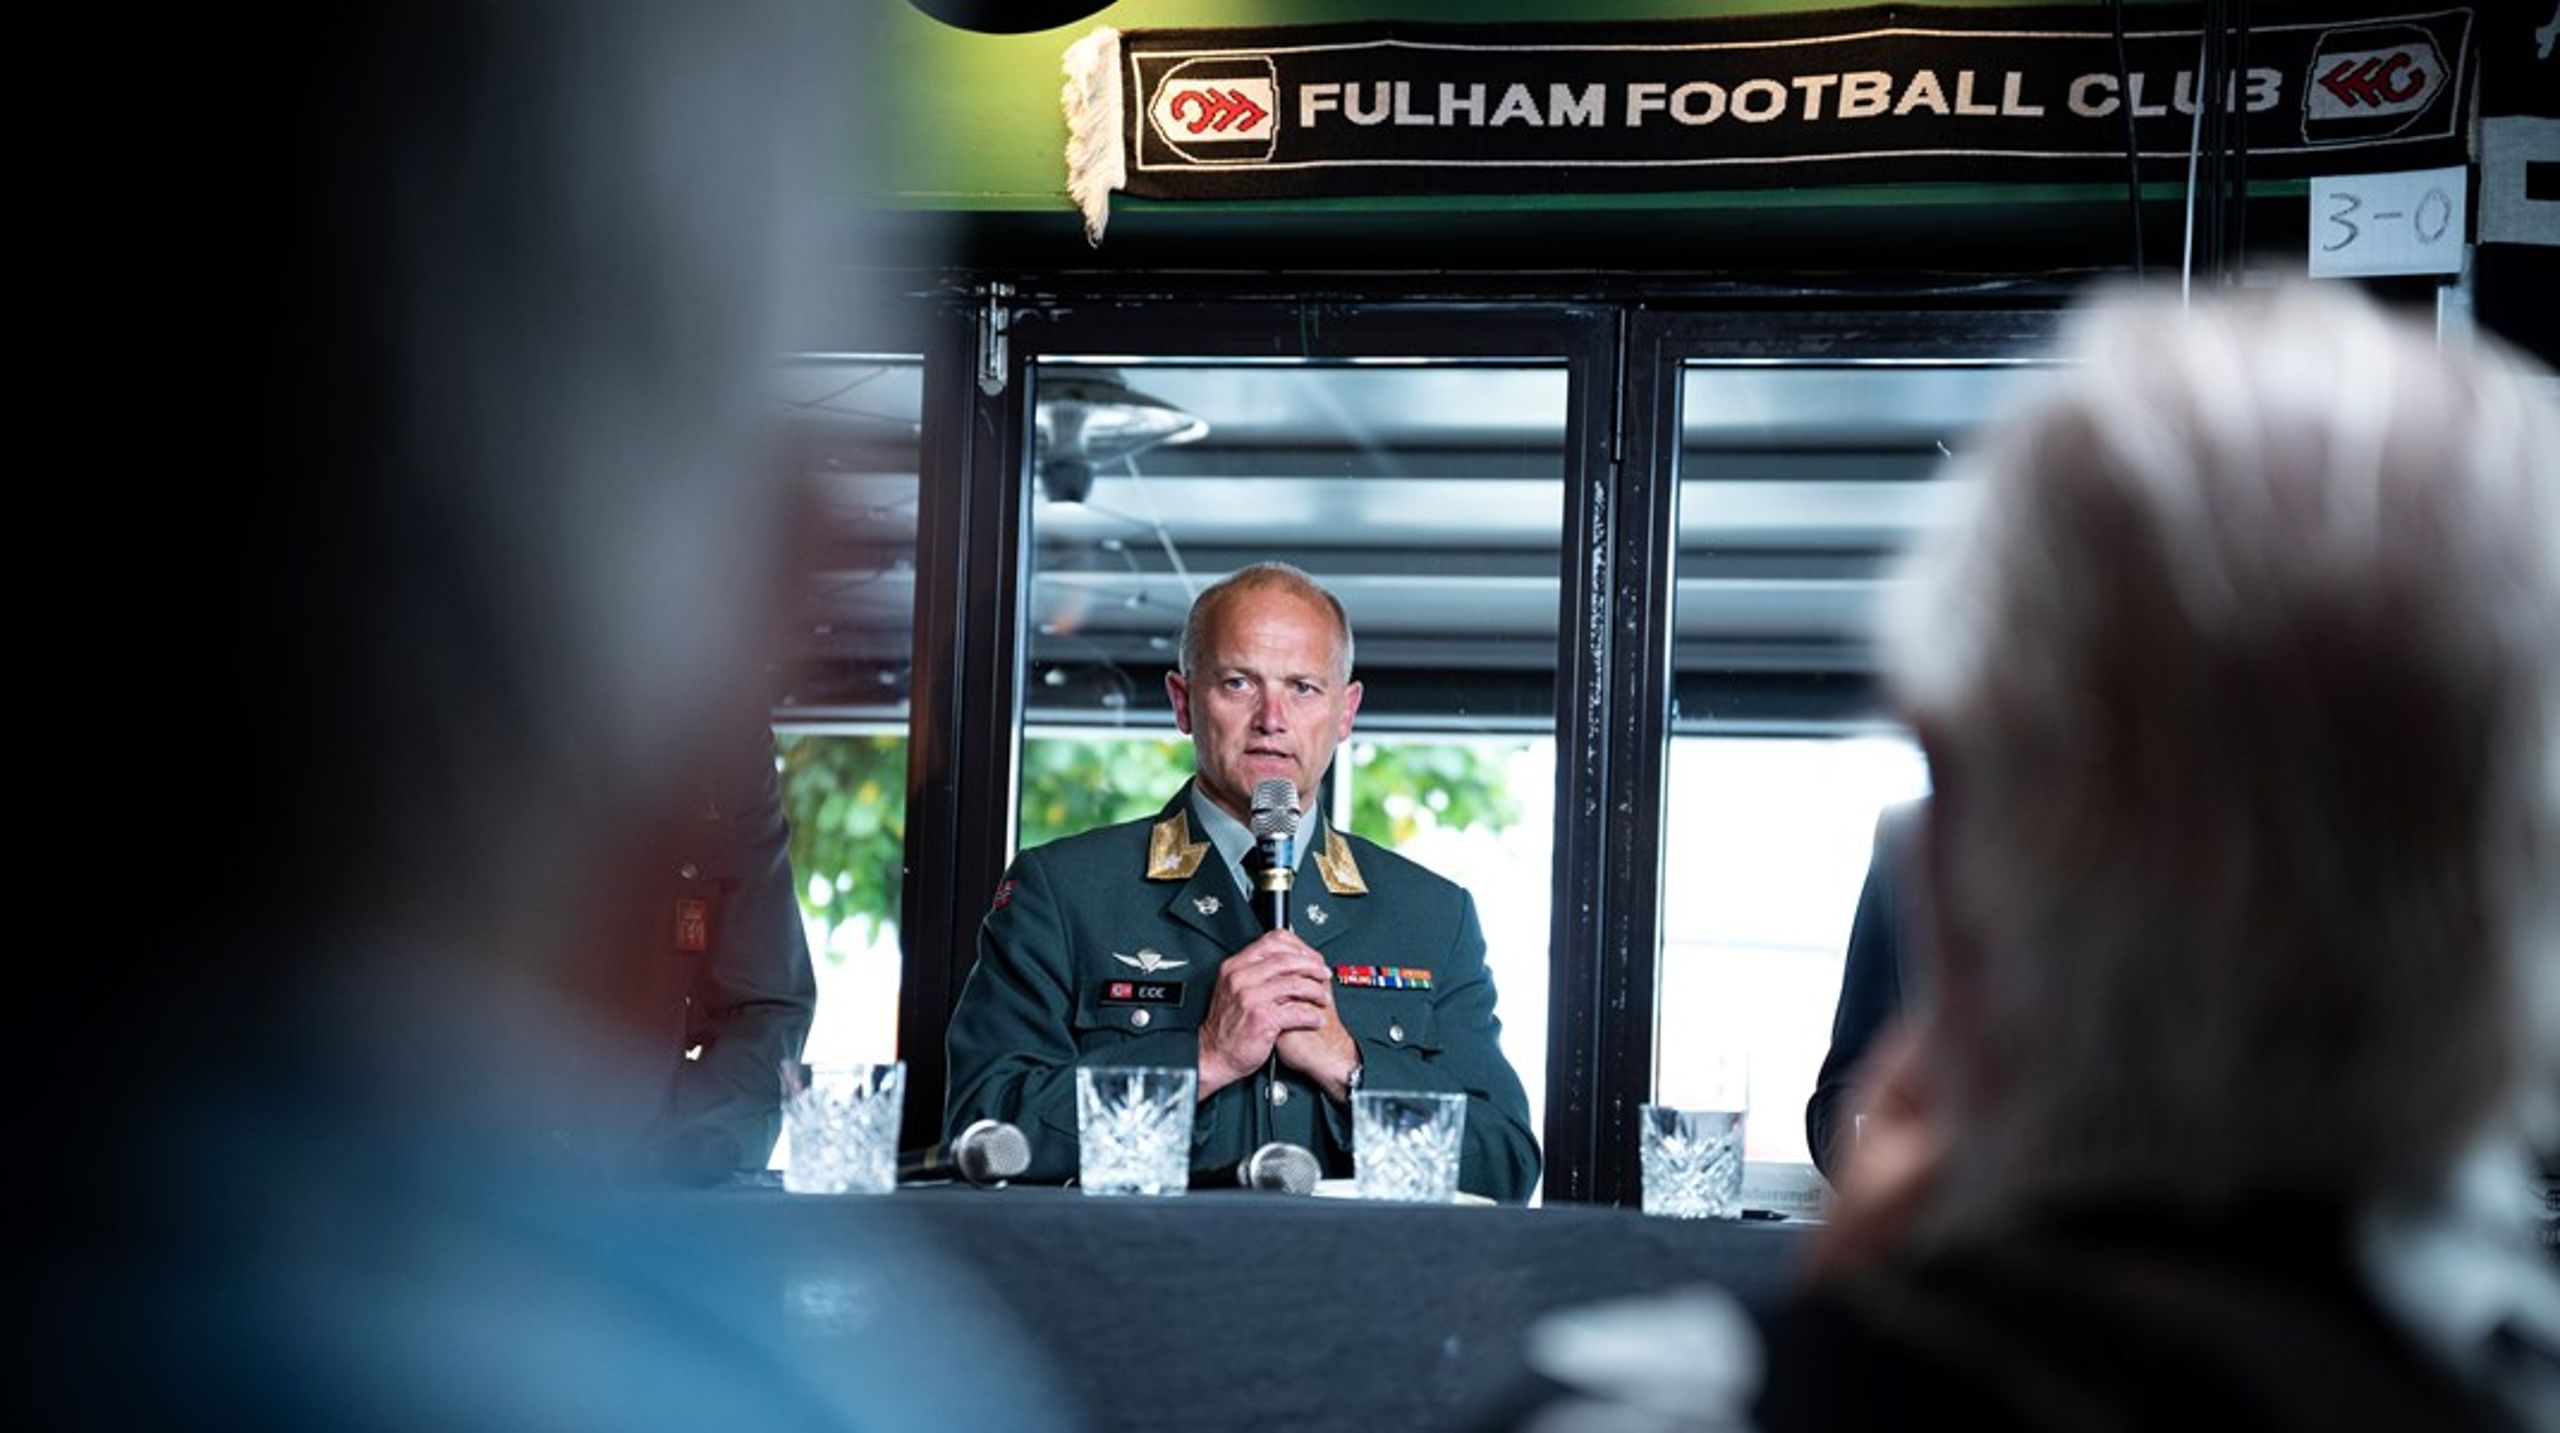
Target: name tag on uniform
(1383,977)
(1142,992)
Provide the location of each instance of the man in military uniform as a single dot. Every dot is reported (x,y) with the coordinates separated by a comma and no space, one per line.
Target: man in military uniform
(732,992)
(1137,945)
(711,988)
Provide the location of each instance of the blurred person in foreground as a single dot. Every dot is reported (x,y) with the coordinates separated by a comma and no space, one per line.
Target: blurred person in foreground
(471,565)
(2240,689)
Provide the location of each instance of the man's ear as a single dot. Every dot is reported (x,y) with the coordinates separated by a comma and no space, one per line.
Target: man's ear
(1350,709)
(1178,692)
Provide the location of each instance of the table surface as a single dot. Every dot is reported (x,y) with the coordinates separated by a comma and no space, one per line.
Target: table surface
(1237,1308)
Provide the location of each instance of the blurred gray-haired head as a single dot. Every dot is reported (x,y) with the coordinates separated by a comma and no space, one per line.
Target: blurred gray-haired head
(514,523)
(2240,679)
(529,511)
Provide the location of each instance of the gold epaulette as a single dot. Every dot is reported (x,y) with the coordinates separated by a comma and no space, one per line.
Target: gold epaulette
(1341,873)
(1171,853)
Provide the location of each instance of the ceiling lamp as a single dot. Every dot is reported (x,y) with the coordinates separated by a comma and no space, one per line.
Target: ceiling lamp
(1091,418)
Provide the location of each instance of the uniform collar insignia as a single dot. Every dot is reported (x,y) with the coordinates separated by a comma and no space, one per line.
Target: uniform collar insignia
(1171,853)
(1149,961)
(1341,873)
(1316,913)
(1208,905)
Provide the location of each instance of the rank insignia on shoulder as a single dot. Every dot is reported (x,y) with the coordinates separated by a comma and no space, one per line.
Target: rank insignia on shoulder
(1004,894)
(1383,977)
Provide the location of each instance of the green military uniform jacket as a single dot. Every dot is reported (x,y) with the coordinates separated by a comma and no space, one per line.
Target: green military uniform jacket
(1103,949)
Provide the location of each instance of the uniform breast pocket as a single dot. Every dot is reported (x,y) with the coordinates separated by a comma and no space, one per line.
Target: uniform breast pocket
(1114,1006)
(1397,1019)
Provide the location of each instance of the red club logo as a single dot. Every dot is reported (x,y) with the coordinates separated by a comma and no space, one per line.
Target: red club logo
(1217,109)
(2376,81)
(2371,82)
(1211,108)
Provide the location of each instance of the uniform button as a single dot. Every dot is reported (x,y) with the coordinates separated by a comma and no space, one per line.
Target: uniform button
(1395,1034)
(688,870)
(1139,1018)
(1279,1094)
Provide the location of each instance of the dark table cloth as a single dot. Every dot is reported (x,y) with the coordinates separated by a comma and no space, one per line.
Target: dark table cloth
(1228,1309)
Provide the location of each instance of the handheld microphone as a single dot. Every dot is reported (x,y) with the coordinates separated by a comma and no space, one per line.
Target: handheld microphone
(987,1153)
(1275,835)
(1279,1167)
(1274,867)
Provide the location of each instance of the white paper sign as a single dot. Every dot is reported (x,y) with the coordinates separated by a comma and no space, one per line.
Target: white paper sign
(2409,222)
(2511,147)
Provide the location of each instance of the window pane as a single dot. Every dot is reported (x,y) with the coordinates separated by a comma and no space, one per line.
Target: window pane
(1074,780)
(1427,497)
(846,796)
(841,703)
(1765,877)
(1480,812)
(1801,484)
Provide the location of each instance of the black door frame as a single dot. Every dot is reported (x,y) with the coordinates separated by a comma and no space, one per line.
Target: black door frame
(1662,345)
(1626,357)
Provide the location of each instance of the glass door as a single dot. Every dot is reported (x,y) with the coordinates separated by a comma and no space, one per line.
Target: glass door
(1428,496)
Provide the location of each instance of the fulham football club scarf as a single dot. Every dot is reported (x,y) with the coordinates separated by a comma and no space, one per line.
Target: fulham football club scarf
(1887,94)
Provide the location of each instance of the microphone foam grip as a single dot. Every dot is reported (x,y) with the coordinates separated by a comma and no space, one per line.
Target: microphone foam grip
(1284,1167)
(990,1152)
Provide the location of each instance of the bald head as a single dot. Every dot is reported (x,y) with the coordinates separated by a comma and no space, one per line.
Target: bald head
(1210,607)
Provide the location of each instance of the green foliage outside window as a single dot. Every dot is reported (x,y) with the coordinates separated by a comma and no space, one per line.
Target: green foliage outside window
(846,799)
(1400,790)
(1071,785)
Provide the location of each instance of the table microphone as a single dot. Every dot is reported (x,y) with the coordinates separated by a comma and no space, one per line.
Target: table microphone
(1279,1167)
(988,1152)
(1275,832)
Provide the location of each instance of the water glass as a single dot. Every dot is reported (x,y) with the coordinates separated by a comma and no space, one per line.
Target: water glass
(1404,1144)
(1692,1162)
(1133,1128)
(844,1126)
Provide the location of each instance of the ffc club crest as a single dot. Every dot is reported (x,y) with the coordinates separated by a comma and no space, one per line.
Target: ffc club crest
(1218,109)
(2370,82)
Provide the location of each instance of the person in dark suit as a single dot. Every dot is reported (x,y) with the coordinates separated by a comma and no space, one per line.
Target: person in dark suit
(1881,935)
(1137,944)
